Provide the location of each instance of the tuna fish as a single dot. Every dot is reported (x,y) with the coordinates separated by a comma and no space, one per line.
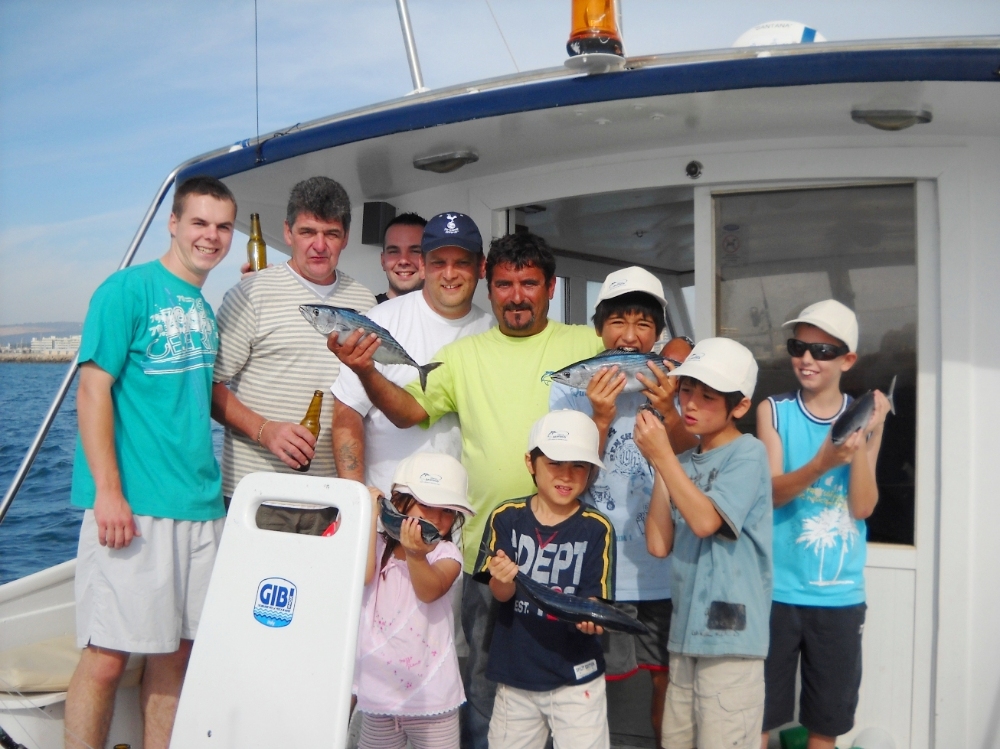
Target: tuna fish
(392,522)
(328,320)
(856,417)
(575,609)
(631,363)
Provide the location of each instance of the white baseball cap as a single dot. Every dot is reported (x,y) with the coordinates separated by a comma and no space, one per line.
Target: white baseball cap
(722,364)
(435,479)
(632,279)
(832,317)
(566,435)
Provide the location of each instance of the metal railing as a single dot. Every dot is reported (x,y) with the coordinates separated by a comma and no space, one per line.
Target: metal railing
(43,430)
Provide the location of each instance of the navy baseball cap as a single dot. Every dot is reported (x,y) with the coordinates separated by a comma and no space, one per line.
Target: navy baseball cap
(452,229)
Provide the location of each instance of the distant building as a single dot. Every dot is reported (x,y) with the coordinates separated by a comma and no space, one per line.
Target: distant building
(52,344)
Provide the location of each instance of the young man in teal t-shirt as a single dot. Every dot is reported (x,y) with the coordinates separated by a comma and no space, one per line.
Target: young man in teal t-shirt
(145,471)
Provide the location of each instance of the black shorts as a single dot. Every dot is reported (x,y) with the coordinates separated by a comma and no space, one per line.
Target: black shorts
(829,641)
(624,654)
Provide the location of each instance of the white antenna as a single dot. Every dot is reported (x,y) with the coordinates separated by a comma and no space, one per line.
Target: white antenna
(411,48)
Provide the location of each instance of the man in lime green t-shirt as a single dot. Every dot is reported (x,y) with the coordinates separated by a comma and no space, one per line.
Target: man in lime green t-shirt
(145,471)
(493,382)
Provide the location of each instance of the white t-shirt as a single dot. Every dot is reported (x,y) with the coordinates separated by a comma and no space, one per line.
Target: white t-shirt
(422,332)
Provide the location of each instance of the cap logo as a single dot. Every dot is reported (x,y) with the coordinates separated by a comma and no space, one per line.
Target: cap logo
(557,435)
(695,357)
(429,478)
(617,285)
(450,227)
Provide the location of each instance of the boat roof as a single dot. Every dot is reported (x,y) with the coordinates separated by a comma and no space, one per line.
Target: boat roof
(965,59)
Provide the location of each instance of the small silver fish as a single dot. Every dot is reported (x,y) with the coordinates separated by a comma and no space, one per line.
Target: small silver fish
(856,417)
(630,363)
(342,321)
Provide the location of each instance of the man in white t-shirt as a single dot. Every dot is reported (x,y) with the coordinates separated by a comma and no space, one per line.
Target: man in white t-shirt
(366,445)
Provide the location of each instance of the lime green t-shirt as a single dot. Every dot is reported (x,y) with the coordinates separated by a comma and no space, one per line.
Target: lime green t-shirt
(156,336)
(494,383)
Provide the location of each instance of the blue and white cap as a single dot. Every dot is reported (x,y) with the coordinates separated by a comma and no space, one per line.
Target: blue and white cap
(452,229)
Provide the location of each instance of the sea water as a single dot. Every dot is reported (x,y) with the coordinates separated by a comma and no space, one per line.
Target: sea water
(41,528)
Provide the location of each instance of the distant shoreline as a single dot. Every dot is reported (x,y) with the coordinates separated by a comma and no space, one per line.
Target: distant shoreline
(27,358)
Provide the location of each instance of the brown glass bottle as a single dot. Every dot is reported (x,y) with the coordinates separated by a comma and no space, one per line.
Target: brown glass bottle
(256,249)
(311,421)
(595,28)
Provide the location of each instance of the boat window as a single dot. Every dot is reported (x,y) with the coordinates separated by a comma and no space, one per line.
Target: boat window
(557,307)
(593,235)
(778,251)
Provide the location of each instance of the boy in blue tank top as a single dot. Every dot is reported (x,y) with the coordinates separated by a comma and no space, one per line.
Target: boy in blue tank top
(822,495)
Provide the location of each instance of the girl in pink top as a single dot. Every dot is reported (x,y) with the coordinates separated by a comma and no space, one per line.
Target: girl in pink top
(406,676)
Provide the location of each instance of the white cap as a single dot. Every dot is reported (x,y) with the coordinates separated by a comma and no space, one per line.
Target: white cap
(435,479)
(566,435)
(832,317)
(722,364)
(628,280)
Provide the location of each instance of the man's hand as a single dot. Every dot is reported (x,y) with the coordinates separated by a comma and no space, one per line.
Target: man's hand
(245,271)
(412,541)
(116,526)
(291,443)
(650,435)
(602,390)
(502,568)
(660,388)
(356,352)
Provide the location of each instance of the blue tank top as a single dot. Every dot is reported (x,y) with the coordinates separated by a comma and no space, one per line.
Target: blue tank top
(819,549)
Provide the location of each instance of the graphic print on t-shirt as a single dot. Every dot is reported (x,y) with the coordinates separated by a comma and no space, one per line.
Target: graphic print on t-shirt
(184,337)
(545,560)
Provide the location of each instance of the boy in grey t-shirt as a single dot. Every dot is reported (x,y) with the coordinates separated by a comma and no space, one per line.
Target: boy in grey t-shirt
(712,507)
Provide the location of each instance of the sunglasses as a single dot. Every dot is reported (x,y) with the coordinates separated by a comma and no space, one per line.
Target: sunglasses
(819,351)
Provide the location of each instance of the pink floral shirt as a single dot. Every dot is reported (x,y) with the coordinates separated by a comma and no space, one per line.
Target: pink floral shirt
(406,662)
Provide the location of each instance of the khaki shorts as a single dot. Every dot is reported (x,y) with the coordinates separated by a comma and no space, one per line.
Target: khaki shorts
(146,597)
(714,703)
(576,715)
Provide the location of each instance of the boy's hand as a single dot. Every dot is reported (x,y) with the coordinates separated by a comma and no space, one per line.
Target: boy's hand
(604,387)
(502,568)
(660,388)
(356,352)
(831,456)
(879,414)
(650,435)
(589,628)
(412,541)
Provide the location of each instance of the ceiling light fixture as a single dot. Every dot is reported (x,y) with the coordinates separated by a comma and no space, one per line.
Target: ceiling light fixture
(443,163)
(891,119)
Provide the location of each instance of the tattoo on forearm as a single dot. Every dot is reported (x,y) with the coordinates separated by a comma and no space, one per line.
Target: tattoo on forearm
(349,455)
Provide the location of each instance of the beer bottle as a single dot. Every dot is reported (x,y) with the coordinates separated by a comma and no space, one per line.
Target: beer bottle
(256,249)
(311,421)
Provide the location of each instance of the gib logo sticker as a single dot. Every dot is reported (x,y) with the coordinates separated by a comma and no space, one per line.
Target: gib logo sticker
(275,603)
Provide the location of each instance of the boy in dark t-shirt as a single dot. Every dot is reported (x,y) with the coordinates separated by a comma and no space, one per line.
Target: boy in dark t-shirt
(550,674)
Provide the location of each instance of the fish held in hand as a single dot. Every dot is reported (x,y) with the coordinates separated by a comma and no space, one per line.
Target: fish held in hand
(392,522)
(342,321)
(630,363)
(575,609)
(858,414)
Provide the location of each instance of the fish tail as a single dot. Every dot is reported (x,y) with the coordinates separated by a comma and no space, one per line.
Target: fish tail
(426,370)
(892,403)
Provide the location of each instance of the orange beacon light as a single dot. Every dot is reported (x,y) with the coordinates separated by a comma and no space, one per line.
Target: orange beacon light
(595,29)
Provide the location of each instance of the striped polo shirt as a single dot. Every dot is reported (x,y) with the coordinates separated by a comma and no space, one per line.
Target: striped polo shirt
(273,361)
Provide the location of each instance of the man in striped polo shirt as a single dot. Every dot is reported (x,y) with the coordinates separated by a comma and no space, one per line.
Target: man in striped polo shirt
(271,360)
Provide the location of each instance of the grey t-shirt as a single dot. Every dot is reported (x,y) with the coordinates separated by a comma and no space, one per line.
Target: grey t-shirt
(722,584)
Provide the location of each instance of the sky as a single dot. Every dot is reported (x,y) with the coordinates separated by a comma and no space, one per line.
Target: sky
(99,100)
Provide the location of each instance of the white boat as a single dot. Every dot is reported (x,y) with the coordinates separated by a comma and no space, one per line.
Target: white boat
(751,181)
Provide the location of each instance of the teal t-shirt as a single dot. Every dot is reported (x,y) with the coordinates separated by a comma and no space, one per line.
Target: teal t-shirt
(819,549)
(722,584)
(156,335)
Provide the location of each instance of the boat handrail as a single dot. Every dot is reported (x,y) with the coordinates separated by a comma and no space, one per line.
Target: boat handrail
(43,430)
